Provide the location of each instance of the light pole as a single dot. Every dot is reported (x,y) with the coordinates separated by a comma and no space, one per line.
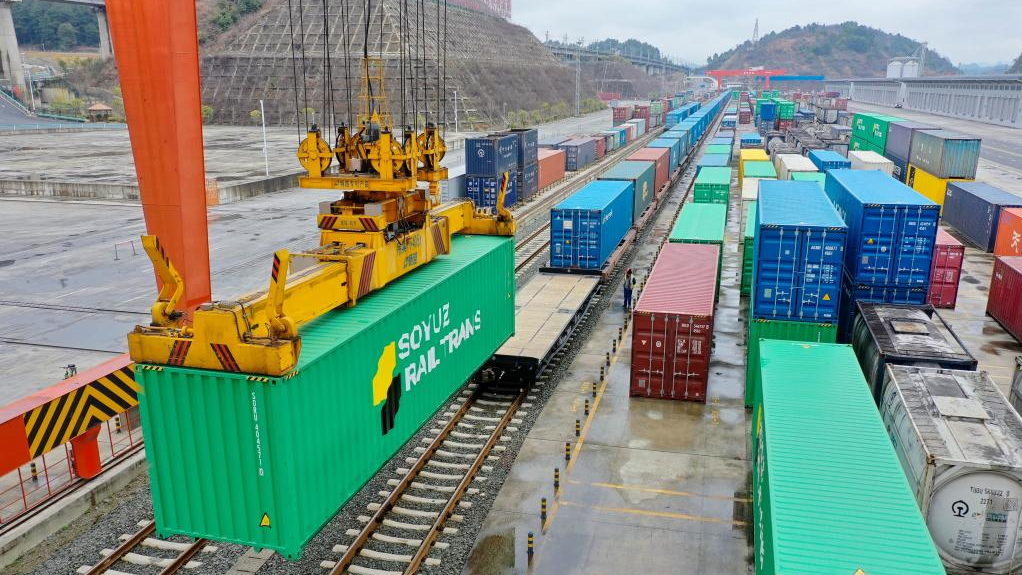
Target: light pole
(456,128)
(266,156)
(578,78)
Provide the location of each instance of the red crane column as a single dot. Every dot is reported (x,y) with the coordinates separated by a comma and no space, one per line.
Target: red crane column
(157,50)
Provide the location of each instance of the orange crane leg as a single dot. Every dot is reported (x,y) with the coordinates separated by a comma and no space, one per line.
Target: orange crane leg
(157,51)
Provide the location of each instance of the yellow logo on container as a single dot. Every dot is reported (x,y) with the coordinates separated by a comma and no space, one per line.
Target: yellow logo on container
(387,387)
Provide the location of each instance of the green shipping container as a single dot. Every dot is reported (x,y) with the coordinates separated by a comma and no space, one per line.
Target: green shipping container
(748,244)
(761,169)
(872,128)
(785,109)
(712,186)
(722,149)
(702,224)
(858,143)
(829,493)
(761,329)
(267,462)
(818,177)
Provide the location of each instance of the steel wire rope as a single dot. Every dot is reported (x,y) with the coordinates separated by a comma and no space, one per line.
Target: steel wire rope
(305,67)
(367,8)
(423,53)
(328,76)
(347,64)
(445,69)
(294,68)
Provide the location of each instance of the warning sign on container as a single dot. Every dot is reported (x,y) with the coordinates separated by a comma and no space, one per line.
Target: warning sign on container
(265,521)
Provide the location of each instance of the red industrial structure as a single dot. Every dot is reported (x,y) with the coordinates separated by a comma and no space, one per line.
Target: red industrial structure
(754,72)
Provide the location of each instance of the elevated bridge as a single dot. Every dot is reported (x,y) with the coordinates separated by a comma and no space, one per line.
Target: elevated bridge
(650,65)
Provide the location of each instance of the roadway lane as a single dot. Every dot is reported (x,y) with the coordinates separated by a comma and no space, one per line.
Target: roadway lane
(10,115)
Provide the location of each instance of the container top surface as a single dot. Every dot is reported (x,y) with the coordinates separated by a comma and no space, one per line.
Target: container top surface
(628,170)
(547,152)
(759,169)
(650,154)
(961,416)
(913,333)
(663,143)
(701,222)
(988,193)
(875,187)
(824,434)
(714,160)
(867,157)
(827,156)
(809,176)
(793,203)
(333,329)
(946,239)
(578,142)
(797,163)
(910,125)
(750,218)
(752,138)
(596,195)
(947,135)
(714,175)
(754,155)
(719,140)
(697,264)
(490,138)
(1013,262)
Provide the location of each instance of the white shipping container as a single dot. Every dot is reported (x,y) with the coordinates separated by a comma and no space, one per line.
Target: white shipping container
(960,444)
(869,160)
(750,189)
(786,164)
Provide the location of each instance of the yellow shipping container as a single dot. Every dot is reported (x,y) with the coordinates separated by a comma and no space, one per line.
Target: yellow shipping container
(750,155)
(930,186)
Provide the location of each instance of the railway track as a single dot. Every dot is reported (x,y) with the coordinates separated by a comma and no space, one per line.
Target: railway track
(141,549)
(404,530)
(531,247)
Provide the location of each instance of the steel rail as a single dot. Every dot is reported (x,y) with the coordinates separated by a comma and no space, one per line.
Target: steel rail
(438,526)
(123,549)
(376,521)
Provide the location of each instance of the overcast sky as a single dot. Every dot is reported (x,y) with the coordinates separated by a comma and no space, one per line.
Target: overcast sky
(966,31)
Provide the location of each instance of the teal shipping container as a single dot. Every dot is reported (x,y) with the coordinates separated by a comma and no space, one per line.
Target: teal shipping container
(829,493)
(674,145)
(643,174)
(267,461)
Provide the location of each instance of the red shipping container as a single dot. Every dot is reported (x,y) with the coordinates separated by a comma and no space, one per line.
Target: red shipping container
(642,112)
(622,114)
(601,146)
(783,125)
(551,166)
(1005,300)
(659,156)
(948,256)
(672,324)
(1009,233)
(631,131)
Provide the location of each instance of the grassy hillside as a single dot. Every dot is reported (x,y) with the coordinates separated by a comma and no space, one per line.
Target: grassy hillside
(834,50)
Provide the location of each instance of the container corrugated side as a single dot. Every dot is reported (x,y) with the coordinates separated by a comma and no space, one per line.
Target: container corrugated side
(886,334)
(491,155)
(483,190)
(224,450)
(712,185)
(974,209)
(829,494)
(528,145)
(817,177)
(929,186)
(672,144)
(1006,293)
(948,256)
(789,164)
(672,327)
(551,167)
(1009,233)
(960,445)
(946,154)
(759,169)
(643,177)
(899,138)
(764,329)
(869,160)
(827,160)
(852,293)
(748,246)
(659,156)
(587,227)
(891,228)
(799,253)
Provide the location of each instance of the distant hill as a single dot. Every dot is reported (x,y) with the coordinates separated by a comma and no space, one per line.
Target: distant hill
(845,50)
(1016,68)
(983,69)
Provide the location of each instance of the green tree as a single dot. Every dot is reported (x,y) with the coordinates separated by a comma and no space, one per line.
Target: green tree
(36,23)
(66,36)
(207,113)
(256,116)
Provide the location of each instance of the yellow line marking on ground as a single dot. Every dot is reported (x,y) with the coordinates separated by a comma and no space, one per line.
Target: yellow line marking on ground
(649,513)
(622,487)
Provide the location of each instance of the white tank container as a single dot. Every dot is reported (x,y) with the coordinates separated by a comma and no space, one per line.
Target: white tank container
(787,164)
(960,444)
(870,160)
(910,69)
(894,69)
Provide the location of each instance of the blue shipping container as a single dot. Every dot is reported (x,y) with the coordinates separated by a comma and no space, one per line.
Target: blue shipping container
(683,139)
(491,155)
(554,142)
(891,228)
(587,227)
(826,160)
(852,293)
(622,136)
(722,140)
(673,145)
(798,254)
(643,177)
(768,111)
(714,161)
(483,190)
(528,181)
(579,153)
(528,145)
(974,209)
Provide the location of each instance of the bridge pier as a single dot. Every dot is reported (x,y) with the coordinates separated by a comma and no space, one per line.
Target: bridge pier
(106,48)
(11,66)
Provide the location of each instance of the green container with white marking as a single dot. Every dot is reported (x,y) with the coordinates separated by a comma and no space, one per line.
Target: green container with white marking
(712,186)
(748,248)
(267,462)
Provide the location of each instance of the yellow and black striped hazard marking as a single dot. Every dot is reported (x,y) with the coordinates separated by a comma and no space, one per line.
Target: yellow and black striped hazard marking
(55,423)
